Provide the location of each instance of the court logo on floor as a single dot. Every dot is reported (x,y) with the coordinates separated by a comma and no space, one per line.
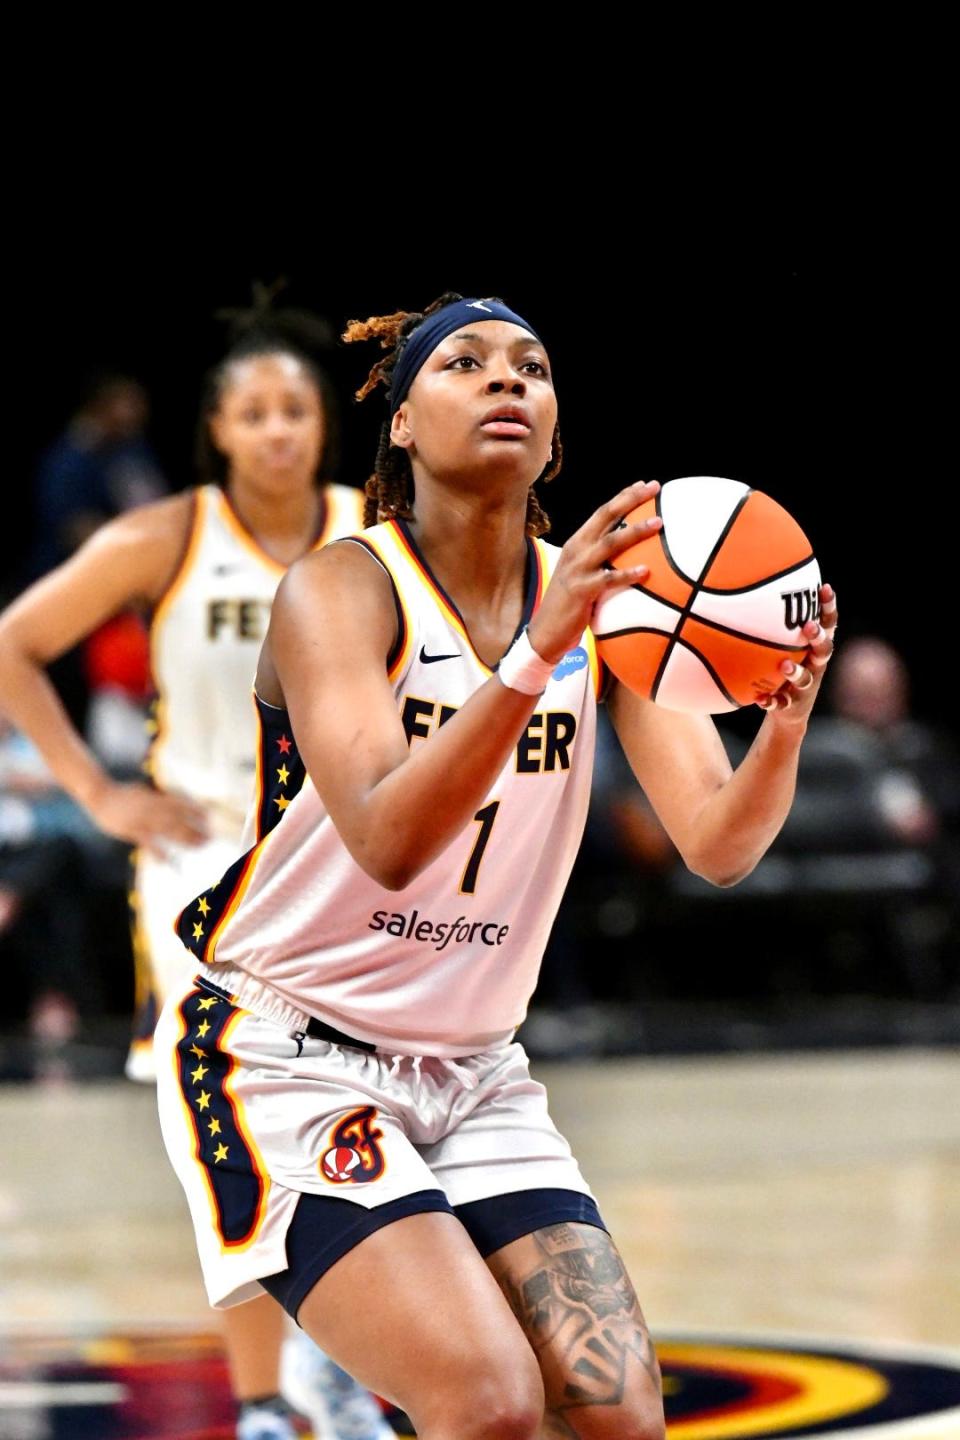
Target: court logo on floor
(174,1386)
(730,1390)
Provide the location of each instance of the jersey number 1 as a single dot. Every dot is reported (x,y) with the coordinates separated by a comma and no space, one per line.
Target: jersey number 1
(484,818)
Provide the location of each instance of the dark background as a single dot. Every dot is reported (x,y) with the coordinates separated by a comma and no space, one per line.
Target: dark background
(772,352)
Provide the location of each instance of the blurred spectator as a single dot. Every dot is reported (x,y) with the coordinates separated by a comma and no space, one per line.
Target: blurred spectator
(871,689)
(42,838)
(865,869)
(100,466)
(117,667)
(613,897)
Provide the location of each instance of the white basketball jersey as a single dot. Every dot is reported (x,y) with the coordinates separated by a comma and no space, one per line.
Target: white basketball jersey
(205,639)
(445,967)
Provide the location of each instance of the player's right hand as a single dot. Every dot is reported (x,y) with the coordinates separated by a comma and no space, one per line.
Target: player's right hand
(142,816)
(583,574)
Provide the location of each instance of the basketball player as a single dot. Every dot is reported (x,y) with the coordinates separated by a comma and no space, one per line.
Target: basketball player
(206,564)
(355,1128)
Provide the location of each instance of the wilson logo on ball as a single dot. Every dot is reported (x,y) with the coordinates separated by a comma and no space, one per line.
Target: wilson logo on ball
(354,1156)
(799,606)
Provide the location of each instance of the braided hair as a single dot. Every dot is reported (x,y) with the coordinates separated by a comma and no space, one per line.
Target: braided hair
(262,329)
(390,489)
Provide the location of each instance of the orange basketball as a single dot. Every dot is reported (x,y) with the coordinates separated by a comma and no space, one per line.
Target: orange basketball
(732,581)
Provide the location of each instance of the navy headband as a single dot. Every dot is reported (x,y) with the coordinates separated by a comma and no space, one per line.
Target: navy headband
(424,340)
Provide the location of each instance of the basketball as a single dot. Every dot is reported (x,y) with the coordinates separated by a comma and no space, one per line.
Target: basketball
(732,581)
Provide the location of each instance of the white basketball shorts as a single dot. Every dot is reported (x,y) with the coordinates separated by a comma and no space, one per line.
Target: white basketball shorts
(255,1115)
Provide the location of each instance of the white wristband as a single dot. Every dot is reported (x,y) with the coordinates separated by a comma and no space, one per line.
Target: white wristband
(523,669)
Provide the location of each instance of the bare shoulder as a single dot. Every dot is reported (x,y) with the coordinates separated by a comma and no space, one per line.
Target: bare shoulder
(343,575)
(333,605)
(152,538)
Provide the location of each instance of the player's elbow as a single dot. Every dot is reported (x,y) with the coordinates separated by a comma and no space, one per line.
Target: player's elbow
(388,869)
(393,877)
(723,871)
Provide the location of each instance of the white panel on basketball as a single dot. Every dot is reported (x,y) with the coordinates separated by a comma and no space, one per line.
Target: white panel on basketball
(765,610)
(700,506)
(687,684)
(630,609)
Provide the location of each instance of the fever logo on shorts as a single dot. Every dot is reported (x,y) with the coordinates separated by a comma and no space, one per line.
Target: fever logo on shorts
(354,1155)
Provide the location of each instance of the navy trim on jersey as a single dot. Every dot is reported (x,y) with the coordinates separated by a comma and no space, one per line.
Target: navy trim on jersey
(197,922)
(282,772)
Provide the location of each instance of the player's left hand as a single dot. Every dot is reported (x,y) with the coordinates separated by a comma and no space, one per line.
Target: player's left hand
(792,703)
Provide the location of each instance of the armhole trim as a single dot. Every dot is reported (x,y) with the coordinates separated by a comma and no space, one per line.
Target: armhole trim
(399,653)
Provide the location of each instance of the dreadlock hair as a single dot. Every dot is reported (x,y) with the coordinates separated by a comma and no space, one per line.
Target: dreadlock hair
(390,489)
(260,329)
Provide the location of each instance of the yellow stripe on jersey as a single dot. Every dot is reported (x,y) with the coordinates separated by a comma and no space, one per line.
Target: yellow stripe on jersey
(344,513)
(246,538)
(341,512)
(446,607)
(546,572)
(176,583)
(240,889)
(596,664)
(404,642)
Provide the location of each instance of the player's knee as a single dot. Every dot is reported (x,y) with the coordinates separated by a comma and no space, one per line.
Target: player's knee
(501,1403)
(641,1419)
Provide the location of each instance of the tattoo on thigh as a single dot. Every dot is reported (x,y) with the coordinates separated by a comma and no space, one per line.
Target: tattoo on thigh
(571,1293)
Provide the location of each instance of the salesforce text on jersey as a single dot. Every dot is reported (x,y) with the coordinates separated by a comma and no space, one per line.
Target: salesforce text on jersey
(439,935)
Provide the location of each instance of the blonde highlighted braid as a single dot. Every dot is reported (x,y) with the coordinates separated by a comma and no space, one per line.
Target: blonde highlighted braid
(389,490)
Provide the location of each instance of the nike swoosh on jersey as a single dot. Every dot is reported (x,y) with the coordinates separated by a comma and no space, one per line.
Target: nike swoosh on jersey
(426,659)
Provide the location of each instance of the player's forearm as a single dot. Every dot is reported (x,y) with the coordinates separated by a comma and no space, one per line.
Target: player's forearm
(414,812)
(740,821)
(30,701)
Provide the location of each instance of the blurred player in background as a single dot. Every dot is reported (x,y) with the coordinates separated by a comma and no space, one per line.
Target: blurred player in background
(205,565)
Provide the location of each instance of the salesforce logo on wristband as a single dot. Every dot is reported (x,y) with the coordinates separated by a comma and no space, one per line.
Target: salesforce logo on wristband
(573,661)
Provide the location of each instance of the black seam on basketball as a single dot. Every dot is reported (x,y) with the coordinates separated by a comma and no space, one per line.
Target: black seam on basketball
(667,651)
(652,594)
(742,635)
(666,548)
(711,625)
(710,670)
(632,630)
(718,544)
(756,584)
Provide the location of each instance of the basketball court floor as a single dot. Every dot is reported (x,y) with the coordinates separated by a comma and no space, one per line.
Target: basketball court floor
(792,1226)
